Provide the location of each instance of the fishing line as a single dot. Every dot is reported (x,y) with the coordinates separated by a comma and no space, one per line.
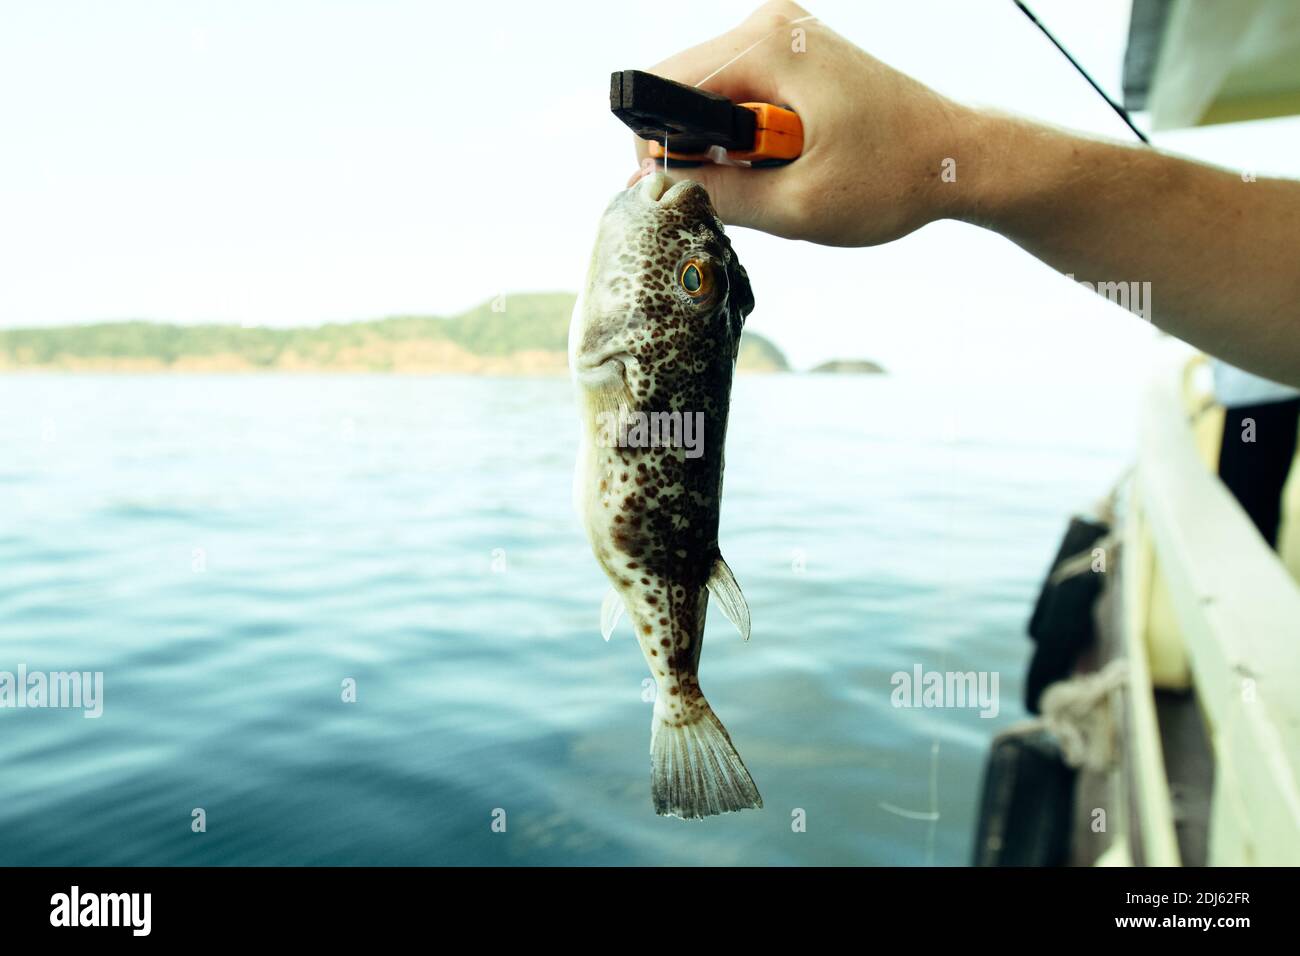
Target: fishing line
(743,53)
(751,47)
(1119,110)
(931,816)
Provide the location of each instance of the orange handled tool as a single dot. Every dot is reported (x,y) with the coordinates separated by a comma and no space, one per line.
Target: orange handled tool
(694,120)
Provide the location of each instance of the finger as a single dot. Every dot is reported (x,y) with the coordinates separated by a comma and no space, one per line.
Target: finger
(643,171)
(741,196)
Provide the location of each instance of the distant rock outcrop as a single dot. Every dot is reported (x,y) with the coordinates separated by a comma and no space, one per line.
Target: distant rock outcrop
(848,367)
(524,334)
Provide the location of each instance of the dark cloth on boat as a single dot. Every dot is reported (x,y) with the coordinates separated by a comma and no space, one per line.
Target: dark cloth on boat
(1255,456)
(1062,625)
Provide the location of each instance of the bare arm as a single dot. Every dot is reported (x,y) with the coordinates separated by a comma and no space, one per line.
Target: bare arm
(1220,253)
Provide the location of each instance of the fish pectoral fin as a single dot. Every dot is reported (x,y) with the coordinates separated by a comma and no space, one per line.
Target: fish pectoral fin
(611,609)
(611,397)
(725,590)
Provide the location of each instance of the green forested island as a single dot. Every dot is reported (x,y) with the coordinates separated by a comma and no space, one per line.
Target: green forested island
(514,334)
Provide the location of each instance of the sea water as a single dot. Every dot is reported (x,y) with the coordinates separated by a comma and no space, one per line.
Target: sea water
(352,619)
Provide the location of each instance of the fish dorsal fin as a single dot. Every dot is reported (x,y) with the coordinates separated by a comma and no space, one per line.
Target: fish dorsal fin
(722,583)
(611,609)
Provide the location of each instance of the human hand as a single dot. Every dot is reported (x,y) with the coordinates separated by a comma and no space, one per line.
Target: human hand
(874,139)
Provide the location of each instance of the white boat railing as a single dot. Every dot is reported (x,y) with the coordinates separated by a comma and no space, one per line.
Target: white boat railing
(1237,612)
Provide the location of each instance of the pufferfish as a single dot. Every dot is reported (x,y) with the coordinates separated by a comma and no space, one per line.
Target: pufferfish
(652,348)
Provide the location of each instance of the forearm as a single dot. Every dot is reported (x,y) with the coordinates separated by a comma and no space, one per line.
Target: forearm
(1220,252)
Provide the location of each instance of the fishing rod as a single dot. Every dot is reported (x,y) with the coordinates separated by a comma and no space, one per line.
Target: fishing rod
(1119,110)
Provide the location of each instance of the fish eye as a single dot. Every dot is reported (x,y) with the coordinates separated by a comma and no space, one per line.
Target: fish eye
(691,278)
(695,278)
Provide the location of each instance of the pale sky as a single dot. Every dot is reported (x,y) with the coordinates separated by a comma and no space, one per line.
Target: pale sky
(293,162)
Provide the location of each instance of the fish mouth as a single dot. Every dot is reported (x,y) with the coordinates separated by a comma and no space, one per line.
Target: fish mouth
(661,189)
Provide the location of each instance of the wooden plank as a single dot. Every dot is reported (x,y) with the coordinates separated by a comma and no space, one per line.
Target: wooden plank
(1239,613)
(1189,762)
(1148,820)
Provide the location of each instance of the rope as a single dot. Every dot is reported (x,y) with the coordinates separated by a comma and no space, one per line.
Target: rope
(1078,713)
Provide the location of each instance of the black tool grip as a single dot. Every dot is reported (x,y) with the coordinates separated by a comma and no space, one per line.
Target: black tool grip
(690,119)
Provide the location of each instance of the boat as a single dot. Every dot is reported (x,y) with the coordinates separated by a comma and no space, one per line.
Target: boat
(1175,737)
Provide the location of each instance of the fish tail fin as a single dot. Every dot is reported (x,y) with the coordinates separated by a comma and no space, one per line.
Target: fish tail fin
(695,771)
